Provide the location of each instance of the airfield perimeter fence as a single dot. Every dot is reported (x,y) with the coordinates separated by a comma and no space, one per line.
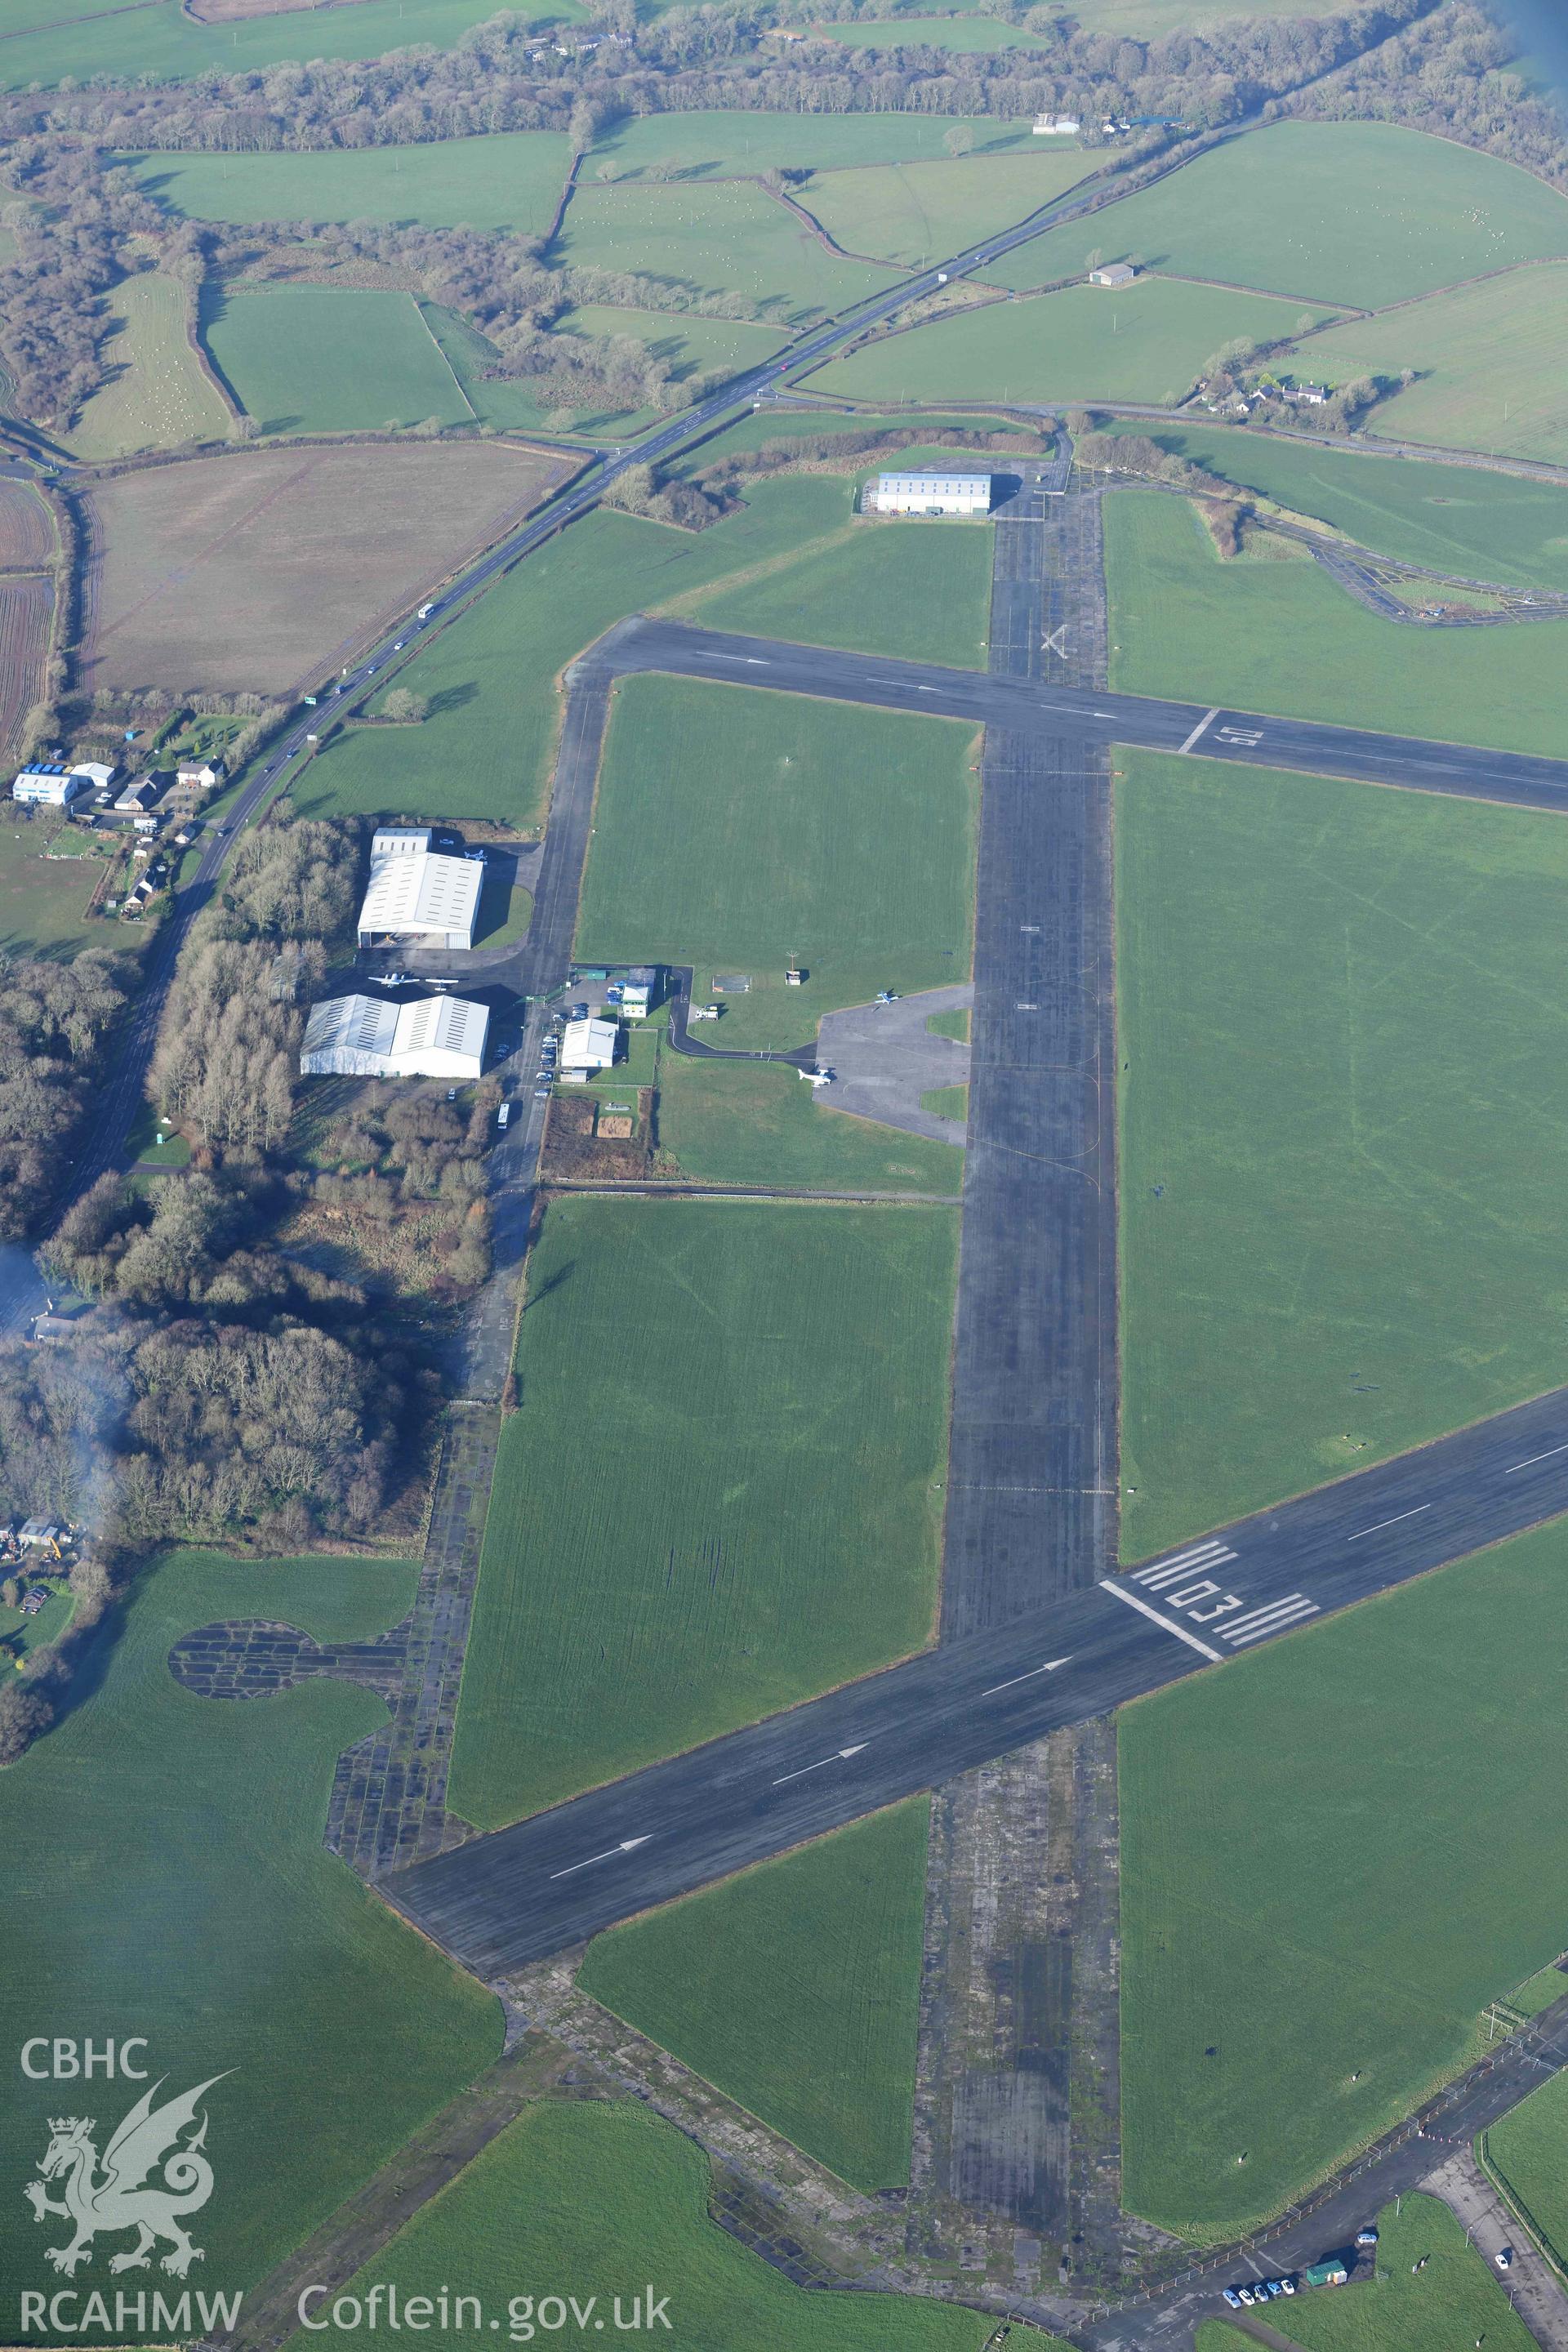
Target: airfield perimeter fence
(1542,2044)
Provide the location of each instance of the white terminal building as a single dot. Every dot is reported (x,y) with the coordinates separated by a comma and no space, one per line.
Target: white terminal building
(930,494)
(415,894)
(366,1037)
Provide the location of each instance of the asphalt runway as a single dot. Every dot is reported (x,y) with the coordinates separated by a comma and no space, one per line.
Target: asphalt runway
(1087,716)
(548,1883)
(1031,1502)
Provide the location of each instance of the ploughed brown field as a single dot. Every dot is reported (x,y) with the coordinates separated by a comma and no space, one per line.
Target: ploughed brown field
(27,532)
(266,569)
(26,608)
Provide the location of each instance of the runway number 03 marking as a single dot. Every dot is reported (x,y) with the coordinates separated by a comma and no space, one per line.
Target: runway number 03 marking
(1186,1583)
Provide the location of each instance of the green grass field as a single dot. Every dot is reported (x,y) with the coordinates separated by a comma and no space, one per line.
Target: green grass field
(1335,1852)
(918,591)
(719,143)
(164,42)
(721,238)
(509,181)
(43,900)
(1153,20)
(1489,360)
(795,1988)
(1346,1074)
(946,1102)
(330,359)
(486,749)
(1453,2299)
(1529,2152)
(918,212)
(1086,342)
(961,34)
(1487,526)
(760,426)
(156,395)
(755,1123)
(1282,637)
(954,1025)
(172,1848)
(595,2198)
(737,827)
(1359,213)
(723,1406)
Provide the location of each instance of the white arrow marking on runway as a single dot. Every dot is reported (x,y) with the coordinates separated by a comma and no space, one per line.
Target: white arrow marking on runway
(1050,1668)
(625,1846)
(837,1757)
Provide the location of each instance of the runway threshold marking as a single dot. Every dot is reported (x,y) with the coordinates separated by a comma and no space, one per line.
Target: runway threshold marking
(1204,723)
(627,1846)
(1166,1624)
(1531,1458)
(1014,1680)
(839,1756)
(1378,1525)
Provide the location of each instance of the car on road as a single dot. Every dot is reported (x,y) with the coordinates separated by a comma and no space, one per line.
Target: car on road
(1505,2258)
(372,670)
(397,648)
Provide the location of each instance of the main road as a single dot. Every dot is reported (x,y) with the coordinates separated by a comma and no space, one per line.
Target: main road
(550,1882)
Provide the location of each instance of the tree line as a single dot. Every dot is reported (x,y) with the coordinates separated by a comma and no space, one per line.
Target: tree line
(224,1385)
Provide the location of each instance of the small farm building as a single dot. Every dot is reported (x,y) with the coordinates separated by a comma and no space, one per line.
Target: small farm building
(1113,273)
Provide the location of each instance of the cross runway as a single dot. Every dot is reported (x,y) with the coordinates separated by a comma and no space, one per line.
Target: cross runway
(1027,706)
(550,1882)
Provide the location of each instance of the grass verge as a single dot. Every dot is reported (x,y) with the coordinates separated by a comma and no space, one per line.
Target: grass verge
(1335,1853)
(172,1846)
(795,1988)
(736,827)
(722,1406)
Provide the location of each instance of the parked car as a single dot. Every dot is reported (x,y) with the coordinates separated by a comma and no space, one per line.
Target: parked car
(503,1117)
(1275,2286)
(1246,2295)
(1231,2298)
(1367,2237)
(1287,2287)
(1505,2258)
(451,1093)
(541,1094)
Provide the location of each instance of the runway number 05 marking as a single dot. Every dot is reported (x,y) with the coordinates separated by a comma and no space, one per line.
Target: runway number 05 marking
(1185,1582)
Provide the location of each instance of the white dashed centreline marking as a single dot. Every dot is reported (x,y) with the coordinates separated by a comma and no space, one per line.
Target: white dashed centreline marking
(1530,1459)
(1379,1525)
(1166,1624)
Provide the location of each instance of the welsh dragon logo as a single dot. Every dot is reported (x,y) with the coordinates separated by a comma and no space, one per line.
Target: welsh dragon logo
(120,2197)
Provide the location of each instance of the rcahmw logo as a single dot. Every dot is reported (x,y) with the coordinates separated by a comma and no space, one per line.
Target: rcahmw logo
(152,2176)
